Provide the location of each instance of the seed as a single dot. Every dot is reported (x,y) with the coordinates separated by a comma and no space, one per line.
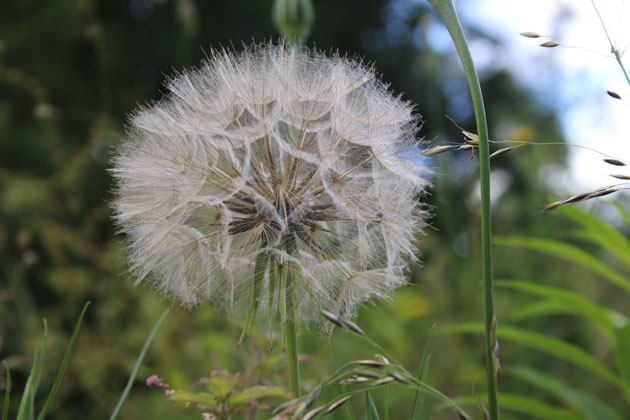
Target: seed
(438,149)
(332,318)
(400,378)
(370,363)
(550,44)
(530,34)
(338,403)
(381,359)
(625,177)
(613,94)
(615,162)
(601,193)
(354,380)
(504,151)
(313,412)
(384,381)
(313,396)
(352,326)
(284,407)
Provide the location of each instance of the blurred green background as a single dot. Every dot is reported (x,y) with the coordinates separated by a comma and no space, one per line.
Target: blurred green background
(70,73)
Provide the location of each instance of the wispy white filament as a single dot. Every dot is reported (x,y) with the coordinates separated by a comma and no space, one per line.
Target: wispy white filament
(277,150)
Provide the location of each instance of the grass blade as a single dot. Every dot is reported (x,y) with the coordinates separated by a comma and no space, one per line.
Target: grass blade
(418,401)
(599,315)
(132,378)
(600,232)
(622,348)
(370,407)
(622,211)
(568,252)
(37,373)
(550,345)
(64,364)
(7,393)
(592,407)
(25,410)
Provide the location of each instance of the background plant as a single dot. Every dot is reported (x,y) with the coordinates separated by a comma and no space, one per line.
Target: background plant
(58,120)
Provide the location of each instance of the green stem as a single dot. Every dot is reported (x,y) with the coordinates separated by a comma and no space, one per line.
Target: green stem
(446,10)
(613,47)
(290,329)
(623,68)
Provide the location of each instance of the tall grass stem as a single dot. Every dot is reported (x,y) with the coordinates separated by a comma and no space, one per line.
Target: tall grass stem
(291,335)
(448,14)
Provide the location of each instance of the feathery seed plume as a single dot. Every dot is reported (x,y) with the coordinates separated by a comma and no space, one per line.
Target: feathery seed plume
(275,158)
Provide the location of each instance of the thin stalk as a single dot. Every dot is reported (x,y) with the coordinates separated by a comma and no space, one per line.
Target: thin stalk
(290,331)
(446,10)
(613,46)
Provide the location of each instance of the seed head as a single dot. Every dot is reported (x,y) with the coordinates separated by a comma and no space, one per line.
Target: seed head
(278,151)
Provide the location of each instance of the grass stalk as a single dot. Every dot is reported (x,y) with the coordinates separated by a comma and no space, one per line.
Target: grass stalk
(448,14)
(290,329)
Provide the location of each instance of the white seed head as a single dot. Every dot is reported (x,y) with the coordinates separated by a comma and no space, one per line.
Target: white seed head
(277,150)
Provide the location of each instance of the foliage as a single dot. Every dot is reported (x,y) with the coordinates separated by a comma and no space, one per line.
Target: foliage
(69,73)
(26,410)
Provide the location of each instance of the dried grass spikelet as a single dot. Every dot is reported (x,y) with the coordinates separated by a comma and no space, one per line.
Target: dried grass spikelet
(274,157)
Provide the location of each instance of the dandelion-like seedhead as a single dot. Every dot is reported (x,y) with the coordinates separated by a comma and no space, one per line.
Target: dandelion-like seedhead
(275,158)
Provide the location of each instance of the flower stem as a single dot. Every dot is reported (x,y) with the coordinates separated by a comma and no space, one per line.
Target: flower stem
(290,331)
(446,10)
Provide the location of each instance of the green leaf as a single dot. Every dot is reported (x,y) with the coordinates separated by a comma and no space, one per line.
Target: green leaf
(622,348)
(257,392)
(27,403)
(568,252)
(25,411)
(7,393)
(132,378)
(372,412)
(550,345)
(37,374)
(622,211)
(542,308)
(222,385)
(528,406)
(592,407)
(64,364)
(599,315)
(600,232)
(197,398)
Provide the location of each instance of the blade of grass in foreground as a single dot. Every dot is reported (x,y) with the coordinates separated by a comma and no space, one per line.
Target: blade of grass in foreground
(64,364)
(418,401)
(132,378)
(7,393)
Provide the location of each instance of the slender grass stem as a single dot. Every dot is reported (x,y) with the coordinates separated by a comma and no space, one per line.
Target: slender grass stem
(291,335)
(446,10)
(613,46)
